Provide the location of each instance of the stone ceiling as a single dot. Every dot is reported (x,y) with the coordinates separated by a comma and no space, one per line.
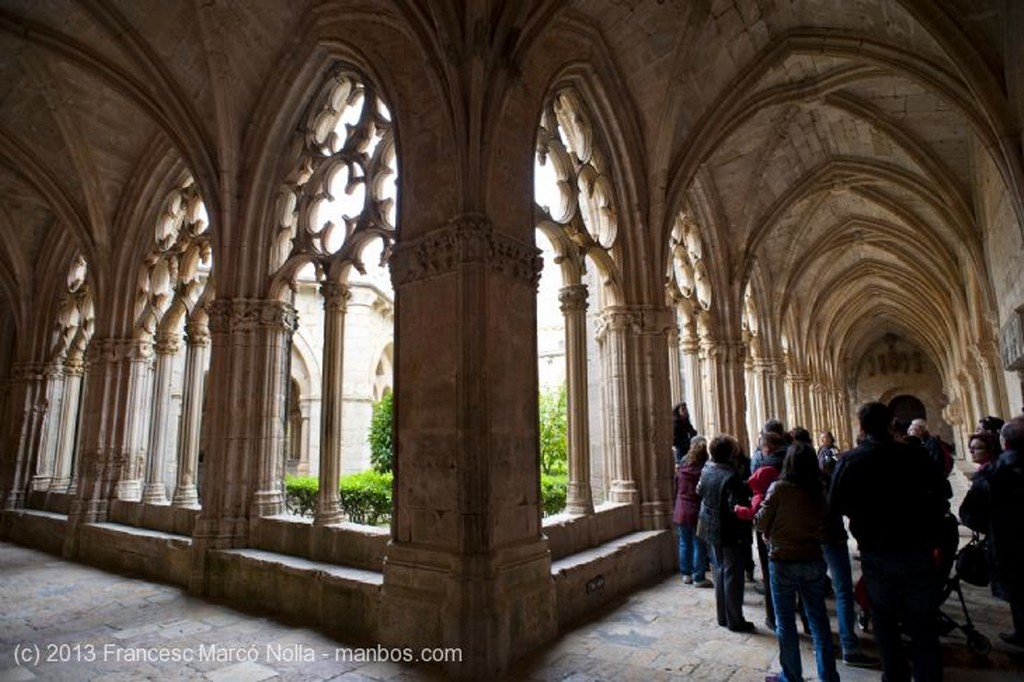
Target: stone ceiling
(829,148)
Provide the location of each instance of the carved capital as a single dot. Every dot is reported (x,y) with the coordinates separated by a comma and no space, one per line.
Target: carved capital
(167,343)
(110,351)
(197,333)
(465,239)
(247,316)
(573,298)
(336,296)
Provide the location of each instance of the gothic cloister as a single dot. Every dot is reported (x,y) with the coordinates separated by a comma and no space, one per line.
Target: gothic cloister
(228,227)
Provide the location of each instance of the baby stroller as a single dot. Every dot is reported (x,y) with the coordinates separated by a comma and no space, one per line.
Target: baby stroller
(949,562)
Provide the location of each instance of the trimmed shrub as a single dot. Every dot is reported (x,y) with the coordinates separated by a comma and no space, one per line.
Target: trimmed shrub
(366,497)
(300,494)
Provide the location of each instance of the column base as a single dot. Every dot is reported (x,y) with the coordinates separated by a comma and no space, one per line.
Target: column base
(129,491)
(624,491)
(492,609)
(154,494)
(186,496)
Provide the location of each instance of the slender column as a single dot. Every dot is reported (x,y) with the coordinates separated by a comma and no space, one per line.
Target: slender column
(574,307)
(612,334)
(167,346)
(197,343)
(137,432)
(43,475)
(328,504)
(690,347)
(74,368)
(675,370)
(770,373)
(988,364)
(755,395)
(796,385)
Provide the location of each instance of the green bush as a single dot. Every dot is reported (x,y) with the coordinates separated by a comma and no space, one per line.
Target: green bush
(381,425)
(300,494)
(553,491)
(554,429)
(366,497)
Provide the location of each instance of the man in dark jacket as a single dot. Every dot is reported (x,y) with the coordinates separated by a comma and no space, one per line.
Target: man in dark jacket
(896,500)
(995,506)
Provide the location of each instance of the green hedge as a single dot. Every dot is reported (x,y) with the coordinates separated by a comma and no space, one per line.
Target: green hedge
(365,497)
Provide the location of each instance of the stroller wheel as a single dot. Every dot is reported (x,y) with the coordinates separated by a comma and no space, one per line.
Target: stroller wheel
(978,643)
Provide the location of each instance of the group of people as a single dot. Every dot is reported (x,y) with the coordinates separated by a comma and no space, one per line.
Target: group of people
(892,488)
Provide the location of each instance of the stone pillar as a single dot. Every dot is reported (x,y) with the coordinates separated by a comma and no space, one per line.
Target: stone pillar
(612,334)
(104,429)
(726,361)
(167,346)
(67,427)
(137,432)
(770,373)
(246,399)
(197,344)
(797,387)
(328,501)
(468,565)
(754,391)
(26,411)
(675,370)
(694,393)
(43,475)
(574,307)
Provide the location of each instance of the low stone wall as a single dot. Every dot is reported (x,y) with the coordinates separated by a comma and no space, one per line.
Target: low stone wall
(340,599)
(588,580)
(569,535)
(161,517)
(348,544)
(39,529)
(148,553)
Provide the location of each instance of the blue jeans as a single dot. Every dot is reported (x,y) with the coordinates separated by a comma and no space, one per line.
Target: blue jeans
(837,557)
(806,578)
(693,553)
(903,588)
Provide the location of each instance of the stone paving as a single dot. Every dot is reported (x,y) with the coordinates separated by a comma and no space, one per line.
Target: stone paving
(65,621)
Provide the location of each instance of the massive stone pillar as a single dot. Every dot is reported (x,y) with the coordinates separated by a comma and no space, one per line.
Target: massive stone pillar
(246,407)
(613,338)
(328,505)
(67,425)
(197,343)
(467,566)
(574,307)
(167,346)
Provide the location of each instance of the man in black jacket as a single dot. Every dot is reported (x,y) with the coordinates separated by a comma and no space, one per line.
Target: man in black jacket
(896,500)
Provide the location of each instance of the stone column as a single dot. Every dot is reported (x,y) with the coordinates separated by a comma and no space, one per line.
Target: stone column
(43,474)
(167,346)
(690,347)
(246,399)
(613,333)
(754,391)
(138,434)
(796,387)
(106,454)
(770,374)
(468,565)
(726,366)
(328,501)
(67,427)
(197,345)
(675,370)
(574,307)
(26,411)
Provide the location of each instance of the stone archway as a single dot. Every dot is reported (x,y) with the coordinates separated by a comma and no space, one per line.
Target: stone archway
(906,408)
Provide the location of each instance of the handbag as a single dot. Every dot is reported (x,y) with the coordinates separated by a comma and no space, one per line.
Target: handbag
(972,562)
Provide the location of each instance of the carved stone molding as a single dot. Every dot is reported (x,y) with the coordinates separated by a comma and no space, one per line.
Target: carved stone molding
(246,316)
(465,239)
(336,296)
(29,371)
(109,351)
(167,343)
